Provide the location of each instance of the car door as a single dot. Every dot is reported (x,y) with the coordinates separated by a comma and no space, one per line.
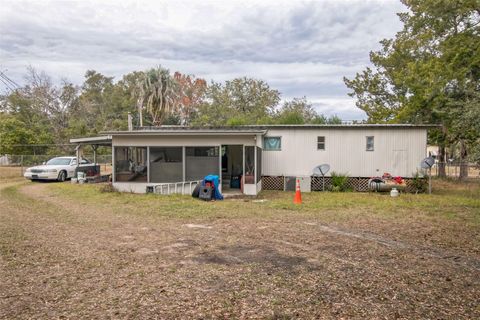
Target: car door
(71,169)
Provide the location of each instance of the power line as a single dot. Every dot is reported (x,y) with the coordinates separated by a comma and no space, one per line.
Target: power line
(6,84)
(3,75)
(9,83)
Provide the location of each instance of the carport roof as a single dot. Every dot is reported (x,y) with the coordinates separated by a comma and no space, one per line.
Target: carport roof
(182,130)
(100,140)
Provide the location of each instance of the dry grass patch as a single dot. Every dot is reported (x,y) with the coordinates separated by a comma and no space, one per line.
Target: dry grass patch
(71,251)
(9,173)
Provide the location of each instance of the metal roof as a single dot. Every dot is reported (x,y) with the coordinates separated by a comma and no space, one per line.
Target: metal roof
(256,129)
(100,140)
(345,125)
(183,130)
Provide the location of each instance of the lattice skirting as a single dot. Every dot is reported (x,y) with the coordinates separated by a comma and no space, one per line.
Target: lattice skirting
(273,183)
(358,184)
(354,183)
(320,184)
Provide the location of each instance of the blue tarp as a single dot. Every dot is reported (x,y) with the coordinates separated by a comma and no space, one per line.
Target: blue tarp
(215,180)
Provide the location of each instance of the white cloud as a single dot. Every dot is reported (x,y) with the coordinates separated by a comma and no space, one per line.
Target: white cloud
(336,106)
(302,48)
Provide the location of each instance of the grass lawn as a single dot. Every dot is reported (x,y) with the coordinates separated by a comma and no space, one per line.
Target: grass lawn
(73,251)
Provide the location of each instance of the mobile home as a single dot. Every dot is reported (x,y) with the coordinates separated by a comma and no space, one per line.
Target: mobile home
(249,158)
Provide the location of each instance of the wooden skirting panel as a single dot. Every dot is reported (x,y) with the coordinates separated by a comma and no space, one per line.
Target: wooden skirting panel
(359,184)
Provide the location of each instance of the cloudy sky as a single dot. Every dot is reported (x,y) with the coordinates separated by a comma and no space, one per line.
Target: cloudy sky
(301,48)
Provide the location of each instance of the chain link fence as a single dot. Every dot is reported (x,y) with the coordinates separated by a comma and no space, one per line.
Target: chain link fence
(14,166)
(452,169)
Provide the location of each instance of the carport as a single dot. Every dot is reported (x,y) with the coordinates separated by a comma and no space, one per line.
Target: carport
(94,142)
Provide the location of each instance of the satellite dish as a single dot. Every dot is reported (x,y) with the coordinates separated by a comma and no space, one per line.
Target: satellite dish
(321,170)
(427,163)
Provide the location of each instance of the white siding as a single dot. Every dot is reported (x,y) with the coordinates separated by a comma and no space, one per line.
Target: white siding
(397,151)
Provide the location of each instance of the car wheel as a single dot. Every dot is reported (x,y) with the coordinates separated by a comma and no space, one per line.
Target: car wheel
(62,176)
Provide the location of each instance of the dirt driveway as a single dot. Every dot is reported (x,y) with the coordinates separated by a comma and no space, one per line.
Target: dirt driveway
(65,258)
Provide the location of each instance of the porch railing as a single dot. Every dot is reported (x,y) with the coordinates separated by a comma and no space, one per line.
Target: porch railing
(183,187)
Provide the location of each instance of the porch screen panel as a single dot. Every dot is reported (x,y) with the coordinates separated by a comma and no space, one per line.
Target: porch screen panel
(201,161)
(130,164)
(249,165)
(259,164)
(166,164)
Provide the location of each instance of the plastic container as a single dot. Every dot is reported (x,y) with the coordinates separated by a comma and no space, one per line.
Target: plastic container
(394,192)
(74,180)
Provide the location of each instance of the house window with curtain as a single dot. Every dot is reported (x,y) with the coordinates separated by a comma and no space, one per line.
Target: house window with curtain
(321,143)
(272,143)
(370,143)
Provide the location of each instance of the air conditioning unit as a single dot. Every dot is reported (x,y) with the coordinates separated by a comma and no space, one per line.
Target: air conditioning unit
(305,183)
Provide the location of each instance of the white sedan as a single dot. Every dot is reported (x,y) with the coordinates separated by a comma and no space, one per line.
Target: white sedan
(60,168)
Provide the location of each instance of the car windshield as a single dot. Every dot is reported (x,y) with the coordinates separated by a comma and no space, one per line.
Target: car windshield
(58,162)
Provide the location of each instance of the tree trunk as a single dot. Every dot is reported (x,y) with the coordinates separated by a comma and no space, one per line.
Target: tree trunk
(463,161)
(441,162)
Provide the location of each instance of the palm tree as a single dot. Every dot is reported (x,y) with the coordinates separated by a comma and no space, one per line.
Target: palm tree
(156,92)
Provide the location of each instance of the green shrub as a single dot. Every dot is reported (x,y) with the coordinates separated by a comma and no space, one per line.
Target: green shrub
(339,182)
(419,183)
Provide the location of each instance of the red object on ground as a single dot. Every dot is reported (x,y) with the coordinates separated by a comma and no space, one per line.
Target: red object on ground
(298,194)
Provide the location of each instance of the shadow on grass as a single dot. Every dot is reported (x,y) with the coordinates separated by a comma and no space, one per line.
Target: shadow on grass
(269,258)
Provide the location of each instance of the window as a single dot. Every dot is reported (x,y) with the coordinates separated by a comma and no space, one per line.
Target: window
(58,162)
(272,143)
(320,143)
(259,164)
(166,164)
(202,152)
(82,161)
(370,143)
(130,164)
(201,161)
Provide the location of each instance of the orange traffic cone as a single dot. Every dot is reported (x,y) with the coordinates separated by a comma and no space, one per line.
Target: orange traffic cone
(298,194)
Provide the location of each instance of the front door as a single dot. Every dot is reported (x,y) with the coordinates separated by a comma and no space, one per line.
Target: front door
(231,169)
(249,178)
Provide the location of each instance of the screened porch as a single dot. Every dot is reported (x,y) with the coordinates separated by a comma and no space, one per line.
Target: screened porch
(153,165)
